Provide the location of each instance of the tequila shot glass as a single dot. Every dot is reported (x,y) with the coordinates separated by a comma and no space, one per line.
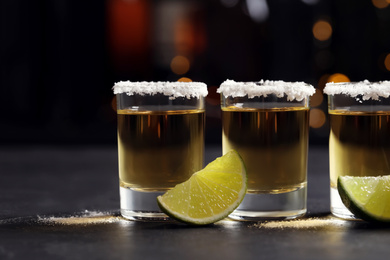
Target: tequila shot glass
(267,123)
(160,141)
(359,140)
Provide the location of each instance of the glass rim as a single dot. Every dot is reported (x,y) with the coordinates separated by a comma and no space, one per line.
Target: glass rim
(171,89)
(293,90)
(364,90)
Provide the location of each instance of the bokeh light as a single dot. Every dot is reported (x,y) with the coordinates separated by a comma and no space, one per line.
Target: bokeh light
(180,65)
(184,79)
(323,80)
(113,104)
(317,98)
(317,118)
(387,61)
(258,10)
(380,3)
(338,77)
(322,30)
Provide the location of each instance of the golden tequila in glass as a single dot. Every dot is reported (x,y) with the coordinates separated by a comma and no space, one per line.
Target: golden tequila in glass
(160,141)
(360,144)
(359,140)
(268,125)
(275,155)
(166,147)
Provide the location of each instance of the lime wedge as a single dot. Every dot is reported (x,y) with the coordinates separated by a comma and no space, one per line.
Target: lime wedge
(367,198)
(210,194)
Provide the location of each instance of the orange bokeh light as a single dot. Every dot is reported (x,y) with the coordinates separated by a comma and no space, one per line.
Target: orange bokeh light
(189,35)
(338,77)
(113,104)
(184,79)
(180,65)
(317,118)
(380,3)
(387,61)
(323,80)
(322,30)
(317,98)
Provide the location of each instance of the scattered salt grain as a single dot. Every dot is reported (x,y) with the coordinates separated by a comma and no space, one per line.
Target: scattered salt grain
(171,89)
(366,89)
(293,90)
(307,223)
(87,217)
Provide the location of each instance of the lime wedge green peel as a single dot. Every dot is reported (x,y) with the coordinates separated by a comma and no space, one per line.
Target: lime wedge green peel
(367,198)
(210,194)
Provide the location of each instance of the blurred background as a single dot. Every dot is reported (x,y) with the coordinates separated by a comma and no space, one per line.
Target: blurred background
(60,58)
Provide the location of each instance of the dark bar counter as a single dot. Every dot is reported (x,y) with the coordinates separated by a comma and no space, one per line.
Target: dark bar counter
(62,203)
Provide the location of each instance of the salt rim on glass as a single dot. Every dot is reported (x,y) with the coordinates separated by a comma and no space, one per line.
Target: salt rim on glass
(366,89)
(171,89)
(293,90)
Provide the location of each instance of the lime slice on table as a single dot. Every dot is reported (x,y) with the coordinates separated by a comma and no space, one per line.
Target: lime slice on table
(366,197)
(210,194)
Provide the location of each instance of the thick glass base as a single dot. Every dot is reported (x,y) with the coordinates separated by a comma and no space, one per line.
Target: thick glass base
(262,206)
(141,206)
(337,206)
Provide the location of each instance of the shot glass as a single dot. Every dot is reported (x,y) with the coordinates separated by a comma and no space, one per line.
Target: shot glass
(359,140)
(267,123)
(160,141)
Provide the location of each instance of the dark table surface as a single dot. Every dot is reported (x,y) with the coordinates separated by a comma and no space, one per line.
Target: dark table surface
(62,203)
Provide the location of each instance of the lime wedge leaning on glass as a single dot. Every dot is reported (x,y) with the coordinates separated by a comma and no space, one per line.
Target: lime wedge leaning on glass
(367,198)
(210,194)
